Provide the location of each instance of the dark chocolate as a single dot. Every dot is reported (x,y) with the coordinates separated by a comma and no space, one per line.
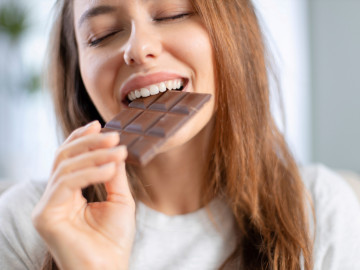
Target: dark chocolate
(146,123)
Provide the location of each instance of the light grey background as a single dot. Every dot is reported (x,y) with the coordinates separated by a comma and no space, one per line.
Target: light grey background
(334,27)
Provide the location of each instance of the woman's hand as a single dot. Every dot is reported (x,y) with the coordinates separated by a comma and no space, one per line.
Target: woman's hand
(84,235)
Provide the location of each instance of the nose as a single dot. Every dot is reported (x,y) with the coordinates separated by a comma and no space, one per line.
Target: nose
(143,46)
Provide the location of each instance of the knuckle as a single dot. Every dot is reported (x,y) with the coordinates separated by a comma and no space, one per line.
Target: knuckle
(103,155)
(77,132)
(95,172)
(36,217)
(62,168)
(39,218)
(42,223)
(61,181)
(96,157)
(86,141)
(60,154)
(98,172)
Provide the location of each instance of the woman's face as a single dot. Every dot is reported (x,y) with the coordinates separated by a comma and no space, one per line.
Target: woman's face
(126,46)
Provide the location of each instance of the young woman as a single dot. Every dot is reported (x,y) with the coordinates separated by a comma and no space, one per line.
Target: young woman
(223,193)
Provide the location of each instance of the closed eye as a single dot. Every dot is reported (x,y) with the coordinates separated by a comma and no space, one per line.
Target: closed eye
(95,42)
(173,18)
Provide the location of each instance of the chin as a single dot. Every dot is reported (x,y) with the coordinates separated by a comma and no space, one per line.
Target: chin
(181,138)
(190,136)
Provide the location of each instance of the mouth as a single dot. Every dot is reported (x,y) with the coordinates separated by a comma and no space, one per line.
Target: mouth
(155,89)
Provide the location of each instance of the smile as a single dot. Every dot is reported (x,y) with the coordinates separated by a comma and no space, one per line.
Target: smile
(155,89)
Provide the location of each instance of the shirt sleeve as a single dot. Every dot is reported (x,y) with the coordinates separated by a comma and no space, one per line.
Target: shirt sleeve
(337,213)
(21,247)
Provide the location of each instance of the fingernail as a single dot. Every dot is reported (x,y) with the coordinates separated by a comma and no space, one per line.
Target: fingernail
(92,123)
(119,148)
(107,165)
(111,134)
(123,147)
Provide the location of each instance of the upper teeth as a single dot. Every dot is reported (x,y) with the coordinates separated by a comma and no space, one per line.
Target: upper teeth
(155,89)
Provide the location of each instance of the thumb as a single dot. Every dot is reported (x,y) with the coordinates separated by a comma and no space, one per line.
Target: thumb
(118,188)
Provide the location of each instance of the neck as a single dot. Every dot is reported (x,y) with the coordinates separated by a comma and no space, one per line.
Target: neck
(173,179)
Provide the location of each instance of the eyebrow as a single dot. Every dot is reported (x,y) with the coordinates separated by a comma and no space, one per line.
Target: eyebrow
(95,11)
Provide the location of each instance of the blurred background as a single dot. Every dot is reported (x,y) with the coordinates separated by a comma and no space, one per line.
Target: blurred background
(315,46)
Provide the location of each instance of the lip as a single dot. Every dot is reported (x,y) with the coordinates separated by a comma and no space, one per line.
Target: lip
(140,81)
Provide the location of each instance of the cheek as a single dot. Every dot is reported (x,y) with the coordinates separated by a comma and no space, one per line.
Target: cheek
(98,71)
(196,51)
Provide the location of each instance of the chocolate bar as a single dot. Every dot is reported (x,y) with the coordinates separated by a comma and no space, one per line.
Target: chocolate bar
(146,123)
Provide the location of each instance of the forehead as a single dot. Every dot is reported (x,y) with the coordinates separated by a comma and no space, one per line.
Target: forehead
(90,3)
(84,5)
(85,9)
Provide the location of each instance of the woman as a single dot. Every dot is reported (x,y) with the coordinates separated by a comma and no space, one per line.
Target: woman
(223,193)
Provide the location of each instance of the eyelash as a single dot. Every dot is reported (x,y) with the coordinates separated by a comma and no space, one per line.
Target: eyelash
(96,42)
(172,18)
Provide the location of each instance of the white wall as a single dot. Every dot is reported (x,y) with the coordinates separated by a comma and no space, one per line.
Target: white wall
(285,28)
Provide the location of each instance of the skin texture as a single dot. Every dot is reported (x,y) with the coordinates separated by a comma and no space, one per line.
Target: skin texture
(63,217)
(249,162)
(134,38)
(142,42)
(142,38)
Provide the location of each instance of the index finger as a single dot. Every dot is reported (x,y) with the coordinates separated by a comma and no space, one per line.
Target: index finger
(92,127)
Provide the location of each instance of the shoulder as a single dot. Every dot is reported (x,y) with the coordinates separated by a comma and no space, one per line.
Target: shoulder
(337,218)
(19,200)
(30,189)
(330,193)
(327,187)
(20,245)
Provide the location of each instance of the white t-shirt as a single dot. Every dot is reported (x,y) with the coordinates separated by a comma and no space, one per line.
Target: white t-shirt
(196,240)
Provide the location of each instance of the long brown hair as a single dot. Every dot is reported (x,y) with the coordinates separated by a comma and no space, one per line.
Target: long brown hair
(251,166)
